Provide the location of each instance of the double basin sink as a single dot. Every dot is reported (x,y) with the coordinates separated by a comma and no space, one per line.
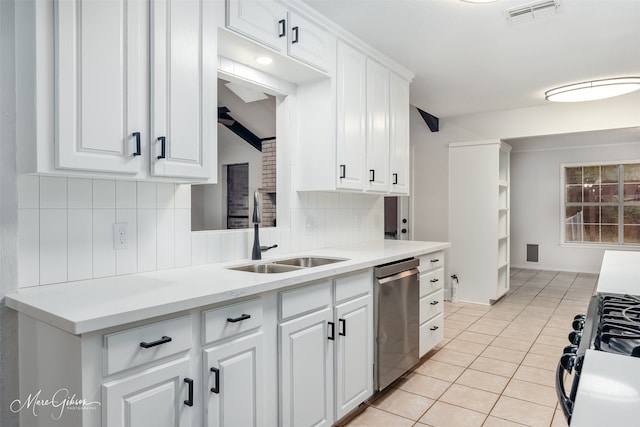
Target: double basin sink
(286,265)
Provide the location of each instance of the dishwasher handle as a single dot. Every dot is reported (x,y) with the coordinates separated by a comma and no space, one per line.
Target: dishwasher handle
(392,268)
(399,276)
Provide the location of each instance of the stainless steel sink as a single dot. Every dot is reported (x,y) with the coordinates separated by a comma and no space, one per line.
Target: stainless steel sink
(286,265)
(265,268)
(307,262)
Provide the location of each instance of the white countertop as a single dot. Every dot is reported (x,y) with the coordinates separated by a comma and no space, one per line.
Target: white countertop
(620,273)
(90,305)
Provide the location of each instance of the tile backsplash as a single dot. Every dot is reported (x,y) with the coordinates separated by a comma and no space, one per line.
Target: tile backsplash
(65,228)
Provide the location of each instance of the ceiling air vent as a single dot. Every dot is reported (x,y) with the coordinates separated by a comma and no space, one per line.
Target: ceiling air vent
(533,11)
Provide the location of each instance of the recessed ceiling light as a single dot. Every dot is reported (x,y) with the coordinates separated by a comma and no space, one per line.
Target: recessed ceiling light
(596,89)
(264,60)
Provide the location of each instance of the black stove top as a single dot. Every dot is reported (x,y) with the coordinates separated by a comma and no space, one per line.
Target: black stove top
(618,324)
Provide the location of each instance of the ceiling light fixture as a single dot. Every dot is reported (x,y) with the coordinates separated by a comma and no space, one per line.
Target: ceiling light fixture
(264,60)
(596,89)
(478,1)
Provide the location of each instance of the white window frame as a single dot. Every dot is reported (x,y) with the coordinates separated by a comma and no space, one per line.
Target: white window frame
(598,245)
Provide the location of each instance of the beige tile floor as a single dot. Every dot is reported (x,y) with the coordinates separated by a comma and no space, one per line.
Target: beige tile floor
(496,365)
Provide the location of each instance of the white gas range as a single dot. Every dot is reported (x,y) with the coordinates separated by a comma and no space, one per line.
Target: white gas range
(604,354)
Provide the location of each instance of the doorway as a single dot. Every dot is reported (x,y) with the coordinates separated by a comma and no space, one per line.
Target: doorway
(396,218)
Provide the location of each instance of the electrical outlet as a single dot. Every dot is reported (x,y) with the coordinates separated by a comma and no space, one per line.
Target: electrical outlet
(120,235)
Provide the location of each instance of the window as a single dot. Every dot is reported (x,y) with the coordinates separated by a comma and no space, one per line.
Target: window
(602,204)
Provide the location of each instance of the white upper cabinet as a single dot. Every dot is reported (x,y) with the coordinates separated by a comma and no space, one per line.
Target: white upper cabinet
(399,148)
(98,86)
(351,124)
(273,25)
(183,88)
(377,127)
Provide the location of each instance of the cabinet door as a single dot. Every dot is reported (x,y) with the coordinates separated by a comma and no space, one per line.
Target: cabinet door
(351,106)
(263,21)
(309,43)
(183,88)
(99,58)
(399,134)
(152,398)
(306,370)
(354,353)
(233,395)
(377,127)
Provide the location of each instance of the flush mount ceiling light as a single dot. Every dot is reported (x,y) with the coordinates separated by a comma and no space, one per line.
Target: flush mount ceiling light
(596,89)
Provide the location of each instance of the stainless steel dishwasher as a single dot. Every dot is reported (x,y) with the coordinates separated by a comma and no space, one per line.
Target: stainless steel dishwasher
(398,322)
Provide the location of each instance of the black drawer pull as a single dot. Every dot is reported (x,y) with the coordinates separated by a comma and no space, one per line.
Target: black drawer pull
(434,302)
(433,328)
(136,135)
(163,147)
(189,401)
(162,340)
(332,330)
(434,280)
(435,260)
(216,383)
(238,319)
(343,327)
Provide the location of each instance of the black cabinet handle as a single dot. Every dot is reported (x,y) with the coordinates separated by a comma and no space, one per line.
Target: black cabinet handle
(332,330)
(343,327)
(163,147)
(433,328)
(216,383)
(162,340)
(435,260)
(395,178)
(343,171)
(283,28)
(434,302)
(294,30)
(189,401)
(433,280)
(372,175)
(136,135)
(238,319)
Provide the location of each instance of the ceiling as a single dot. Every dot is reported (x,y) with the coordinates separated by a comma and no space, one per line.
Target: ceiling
(469,58)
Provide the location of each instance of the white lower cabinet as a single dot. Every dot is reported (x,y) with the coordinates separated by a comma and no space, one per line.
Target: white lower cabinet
(233,394)
(431,301)
(158,397)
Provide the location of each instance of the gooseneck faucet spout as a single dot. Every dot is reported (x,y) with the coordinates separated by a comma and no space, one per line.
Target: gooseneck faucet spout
(256,253)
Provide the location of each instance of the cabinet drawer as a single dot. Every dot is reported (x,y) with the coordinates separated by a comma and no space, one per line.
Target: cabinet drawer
(231,319)
(431,305)
(431,333)
(354,285)
(126,349)
(431,281)
(305,299)
(431,261)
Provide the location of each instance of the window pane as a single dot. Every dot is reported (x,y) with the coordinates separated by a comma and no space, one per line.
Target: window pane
(592,175)
(591,193)
(591,233)
(610,174)
(632,173)
(591,214)
(574,193)
(609,233)
(632,215)
(573,176)
(609,214)
(632,192)
(632,233)
(609,193)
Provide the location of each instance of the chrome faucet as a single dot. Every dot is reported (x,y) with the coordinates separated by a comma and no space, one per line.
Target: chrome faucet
(256,252)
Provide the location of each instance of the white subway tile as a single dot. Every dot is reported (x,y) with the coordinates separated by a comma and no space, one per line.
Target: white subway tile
(104,194)
(183,196)
(146,194)
(183,237)
(104,256)
(165,236)
(53,192)
(79,193)
(28,247)
(214,249)
(241,246)
(126,195)
(126,259)
(146,239)
(165,196)
(198,248)
(28,191)
(53,246)
(227,246)
(80,242)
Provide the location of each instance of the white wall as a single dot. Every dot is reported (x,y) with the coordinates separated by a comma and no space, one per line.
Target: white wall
(430,162)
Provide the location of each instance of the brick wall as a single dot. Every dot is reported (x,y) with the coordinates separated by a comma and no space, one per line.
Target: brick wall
(268,183)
